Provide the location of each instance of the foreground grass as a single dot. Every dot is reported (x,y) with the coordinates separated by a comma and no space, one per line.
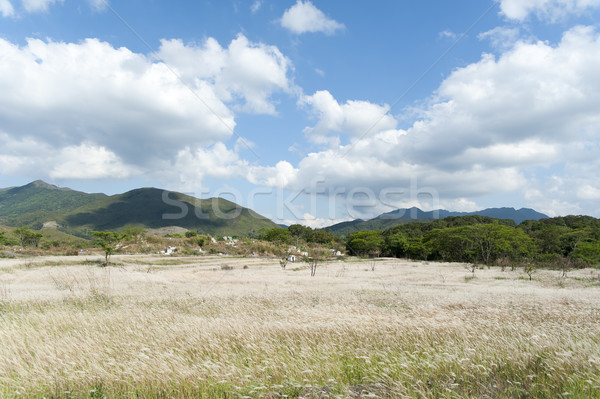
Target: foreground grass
(402,331)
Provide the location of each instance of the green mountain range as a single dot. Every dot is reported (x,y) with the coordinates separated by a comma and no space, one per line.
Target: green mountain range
(40,204)
(416,215)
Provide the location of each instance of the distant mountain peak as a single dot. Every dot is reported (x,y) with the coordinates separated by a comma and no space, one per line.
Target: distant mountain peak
(42,184)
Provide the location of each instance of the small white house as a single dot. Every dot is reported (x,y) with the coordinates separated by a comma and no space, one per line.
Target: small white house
(291,258)
(169,250)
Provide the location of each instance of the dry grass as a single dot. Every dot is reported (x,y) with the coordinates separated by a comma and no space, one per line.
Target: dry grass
(194,328)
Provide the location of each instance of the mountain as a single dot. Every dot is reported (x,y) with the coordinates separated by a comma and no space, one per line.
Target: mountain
(416,213)
(411,215)
(344,228)
(518,215)
(38,203)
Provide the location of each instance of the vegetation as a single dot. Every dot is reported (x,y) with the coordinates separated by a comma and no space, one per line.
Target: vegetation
(277,234)
(415,215)
(3,239)
(37,202)
(565,242)
(142,330)
(108,241)
(79,213)
(27,237)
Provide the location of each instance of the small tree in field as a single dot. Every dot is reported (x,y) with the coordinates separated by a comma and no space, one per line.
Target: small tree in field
(317,255)
(530,269)
(27,237)
(108,241)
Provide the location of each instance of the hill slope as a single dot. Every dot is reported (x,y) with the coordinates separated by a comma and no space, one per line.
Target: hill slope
(518,215)
(78,213)
(411,215)
(38,202)
(150,208)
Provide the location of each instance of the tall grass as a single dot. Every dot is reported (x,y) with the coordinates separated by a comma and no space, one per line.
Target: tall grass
(263,332)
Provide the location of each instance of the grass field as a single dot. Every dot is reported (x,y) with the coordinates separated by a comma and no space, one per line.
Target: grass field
(226,327)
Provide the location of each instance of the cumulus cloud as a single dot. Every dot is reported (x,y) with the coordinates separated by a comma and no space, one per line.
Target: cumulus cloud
(304,17)
(6,8)
(86,161)
(353,118)
(244,70)
(551,10)
(490,128)
(125,110)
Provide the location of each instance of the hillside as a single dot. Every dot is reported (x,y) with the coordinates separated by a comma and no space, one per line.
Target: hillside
(345,228)
(412,215)
(78,213)
(38,202)
(518,215)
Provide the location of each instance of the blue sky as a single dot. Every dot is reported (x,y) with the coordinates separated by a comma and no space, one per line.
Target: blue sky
(309,111)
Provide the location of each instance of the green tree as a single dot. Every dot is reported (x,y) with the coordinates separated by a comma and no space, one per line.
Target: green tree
(588,251)
(298,231)
(3,239)
(27,237)
(417,249)
(493,241)
(108,241)
(134,233)
(450,244)
(364,243)
(277,234)
(322,237)
(397,244)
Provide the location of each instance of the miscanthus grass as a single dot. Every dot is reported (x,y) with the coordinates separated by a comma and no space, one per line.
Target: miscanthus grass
(401,330)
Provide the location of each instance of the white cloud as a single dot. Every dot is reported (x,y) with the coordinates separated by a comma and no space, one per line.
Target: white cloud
(283,174)
(90,162)
(551,10)
(587,192)
(491,128)
(354,118)
(255,6)
(6,8)
(304,17)
(501,37)
(316,223)
(126,111)
(244,70)
(190,166)
(461,205)
(98,5)
(39,5)
(447,34)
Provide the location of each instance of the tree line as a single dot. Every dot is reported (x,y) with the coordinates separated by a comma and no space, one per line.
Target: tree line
(485,240)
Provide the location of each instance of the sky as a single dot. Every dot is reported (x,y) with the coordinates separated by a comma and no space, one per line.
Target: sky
(308,111)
